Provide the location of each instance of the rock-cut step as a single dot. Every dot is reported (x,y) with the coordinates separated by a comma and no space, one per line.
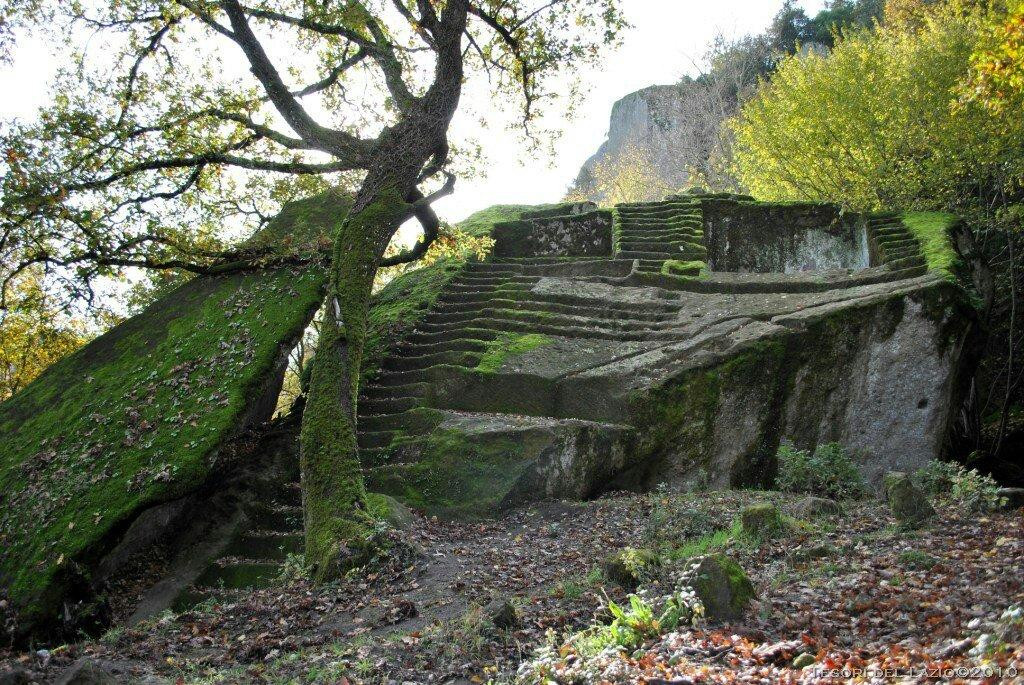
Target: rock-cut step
(254,554)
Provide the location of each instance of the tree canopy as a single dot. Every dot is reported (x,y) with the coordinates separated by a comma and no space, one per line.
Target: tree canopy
(876,123)
(173,118)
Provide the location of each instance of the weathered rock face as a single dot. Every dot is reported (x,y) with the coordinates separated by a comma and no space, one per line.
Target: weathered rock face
(574,235)
(788,238)
(649,121)
(559,377)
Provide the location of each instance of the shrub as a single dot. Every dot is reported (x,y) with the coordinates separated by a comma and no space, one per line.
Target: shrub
(950,483)
(917,560)
(829,471)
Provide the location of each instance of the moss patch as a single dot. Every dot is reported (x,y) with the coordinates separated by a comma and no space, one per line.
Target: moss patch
(136,417)
(723,587)
(679,417)
(509,345)
(676,267)
(932,230)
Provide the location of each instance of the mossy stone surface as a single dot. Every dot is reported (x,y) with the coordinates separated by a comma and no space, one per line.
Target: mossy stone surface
(761,521)
(481,224)
(138,416)
(933,232)
(909,505)
(630,566)
(388,509)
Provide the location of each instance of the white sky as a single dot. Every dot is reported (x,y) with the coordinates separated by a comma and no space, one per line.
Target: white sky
(666,38)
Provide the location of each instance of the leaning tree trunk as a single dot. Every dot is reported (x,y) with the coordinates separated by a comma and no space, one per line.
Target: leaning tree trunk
(337,523)
(334,499)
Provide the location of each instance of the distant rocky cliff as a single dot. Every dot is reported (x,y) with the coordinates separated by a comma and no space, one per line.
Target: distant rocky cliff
(650,122)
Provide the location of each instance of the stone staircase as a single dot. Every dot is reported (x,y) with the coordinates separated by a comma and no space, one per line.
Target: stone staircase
(486,301)
(656,232)
(894,245)
(257,546)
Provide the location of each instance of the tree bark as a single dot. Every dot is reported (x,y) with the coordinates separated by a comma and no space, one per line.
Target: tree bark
(338,525)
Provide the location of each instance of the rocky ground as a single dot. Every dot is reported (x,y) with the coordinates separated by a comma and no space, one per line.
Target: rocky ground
(848,591)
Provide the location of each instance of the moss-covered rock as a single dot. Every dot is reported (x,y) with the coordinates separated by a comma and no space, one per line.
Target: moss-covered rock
(761,521)
(933,231)
(909,505)
(391,511)
(721,585)
(474,464)
(140,415)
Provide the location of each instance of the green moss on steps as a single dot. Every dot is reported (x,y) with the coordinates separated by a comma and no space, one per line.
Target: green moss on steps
(692,268)
(405,300)
(509,345)
(136,417)
(932,230)
(399,305)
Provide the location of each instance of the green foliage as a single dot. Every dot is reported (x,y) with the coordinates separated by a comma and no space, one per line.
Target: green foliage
(639,621)
(33,334)
(709,542)
(149,143)
(829,472)
(459,639)
(293,569)
(874,123)
(952,484)
(509,345)
(997,65)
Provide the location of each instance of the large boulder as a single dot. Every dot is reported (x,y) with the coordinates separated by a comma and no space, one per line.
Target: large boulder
(562,377)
